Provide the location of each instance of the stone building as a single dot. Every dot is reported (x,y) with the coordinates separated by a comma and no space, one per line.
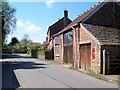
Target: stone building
(91,42)
(52,30)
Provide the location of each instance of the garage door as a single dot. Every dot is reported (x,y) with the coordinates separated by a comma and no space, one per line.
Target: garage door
(68,54)
(85,57)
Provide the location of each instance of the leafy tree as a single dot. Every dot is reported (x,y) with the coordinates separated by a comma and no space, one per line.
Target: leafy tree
(8,19)
(14,40)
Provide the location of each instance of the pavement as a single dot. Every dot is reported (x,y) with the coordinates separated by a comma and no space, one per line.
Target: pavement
(19,71)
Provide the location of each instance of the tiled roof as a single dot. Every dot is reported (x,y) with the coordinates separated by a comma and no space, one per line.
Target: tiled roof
(80,18)
(105,35)
(58,26)
(54,24)
(98,18)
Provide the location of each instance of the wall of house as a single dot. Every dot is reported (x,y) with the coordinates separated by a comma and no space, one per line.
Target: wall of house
(49,54)
(59,57)
(85,38)
(61,48)
(76,52)
(48,36)
(68,47)
(56,43)
(50,44)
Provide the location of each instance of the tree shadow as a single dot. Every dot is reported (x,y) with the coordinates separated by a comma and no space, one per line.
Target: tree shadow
(5,56)
(9,79)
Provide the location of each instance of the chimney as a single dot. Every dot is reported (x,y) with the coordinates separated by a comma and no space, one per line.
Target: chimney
(65,18)
(66,13)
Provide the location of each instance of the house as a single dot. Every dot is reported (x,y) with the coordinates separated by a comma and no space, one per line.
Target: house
(52,30)
(91,42)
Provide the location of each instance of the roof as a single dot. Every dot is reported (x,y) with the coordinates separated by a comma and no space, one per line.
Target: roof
(108,14)
(54,24)
(105,35)
(79,18)
(58,26)
(91,17)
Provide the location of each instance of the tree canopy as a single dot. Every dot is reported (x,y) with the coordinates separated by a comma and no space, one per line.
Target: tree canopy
(14,40)
(8,19)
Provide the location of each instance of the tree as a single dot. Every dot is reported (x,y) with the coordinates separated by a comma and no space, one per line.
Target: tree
(8,20)
(14,40)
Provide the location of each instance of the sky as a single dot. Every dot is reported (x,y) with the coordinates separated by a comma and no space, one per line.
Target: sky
(34,18)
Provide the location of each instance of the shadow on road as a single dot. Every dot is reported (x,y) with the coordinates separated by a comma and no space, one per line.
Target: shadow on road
(5,56)
(9,80)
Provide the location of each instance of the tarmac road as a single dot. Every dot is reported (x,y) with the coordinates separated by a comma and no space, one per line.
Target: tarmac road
(25,72)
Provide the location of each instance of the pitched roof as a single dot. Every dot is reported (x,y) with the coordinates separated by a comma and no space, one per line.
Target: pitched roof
(79,18)
(54,24)
(105,35)
(86,15)
(107,15)
(58,26)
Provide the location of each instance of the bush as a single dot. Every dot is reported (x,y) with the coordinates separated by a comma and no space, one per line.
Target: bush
(41,51)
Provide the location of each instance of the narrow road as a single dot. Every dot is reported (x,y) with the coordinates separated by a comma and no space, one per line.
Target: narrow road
(24,72)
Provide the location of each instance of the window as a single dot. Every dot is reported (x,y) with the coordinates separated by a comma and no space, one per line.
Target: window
(57,40)
(68,37)
(57,46)
(57,49)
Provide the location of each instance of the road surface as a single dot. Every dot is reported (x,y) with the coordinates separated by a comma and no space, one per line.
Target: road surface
(24,72)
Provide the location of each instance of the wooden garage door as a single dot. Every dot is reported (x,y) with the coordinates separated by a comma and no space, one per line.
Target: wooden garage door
(68,54)
(85,57)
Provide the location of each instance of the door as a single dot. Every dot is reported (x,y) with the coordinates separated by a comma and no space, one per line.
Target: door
(85,57)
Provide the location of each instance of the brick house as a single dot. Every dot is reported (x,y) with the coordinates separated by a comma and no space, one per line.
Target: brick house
(91,42)
(52,30)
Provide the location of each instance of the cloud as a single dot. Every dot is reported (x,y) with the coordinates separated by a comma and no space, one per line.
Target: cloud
(50,3)
(28,26)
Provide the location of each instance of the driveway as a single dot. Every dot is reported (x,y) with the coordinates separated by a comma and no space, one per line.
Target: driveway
(24,72)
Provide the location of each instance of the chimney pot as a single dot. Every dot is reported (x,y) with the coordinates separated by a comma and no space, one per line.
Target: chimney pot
(65,13)
(65,18)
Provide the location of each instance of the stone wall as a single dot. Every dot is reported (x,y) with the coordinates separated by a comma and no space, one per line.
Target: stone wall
(76,53)
(61,48)
(87,37)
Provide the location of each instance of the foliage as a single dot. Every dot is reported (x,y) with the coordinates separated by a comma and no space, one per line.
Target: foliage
(14,40)
(94,74)
(8,19)
(41,51)
(24,47)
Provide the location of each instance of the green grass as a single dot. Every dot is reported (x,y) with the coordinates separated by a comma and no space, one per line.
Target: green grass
(94,74)
(102,77)
(41,52)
